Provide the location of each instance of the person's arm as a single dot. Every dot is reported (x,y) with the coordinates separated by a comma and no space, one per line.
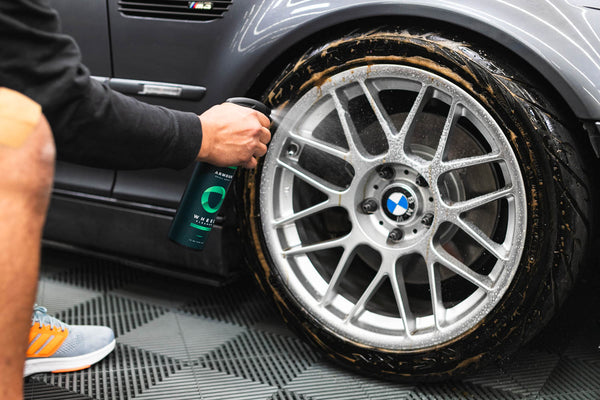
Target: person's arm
(94,125)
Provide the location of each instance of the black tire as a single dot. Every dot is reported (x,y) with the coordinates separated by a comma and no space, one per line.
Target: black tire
(557,191)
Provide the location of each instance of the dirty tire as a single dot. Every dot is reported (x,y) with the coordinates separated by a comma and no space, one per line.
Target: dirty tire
(518,266)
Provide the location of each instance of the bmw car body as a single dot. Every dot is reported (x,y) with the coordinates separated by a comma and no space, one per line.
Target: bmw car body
(191,55)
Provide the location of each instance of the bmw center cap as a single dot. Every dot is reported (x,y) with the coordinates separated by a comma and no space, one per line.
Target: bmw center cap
(399,204)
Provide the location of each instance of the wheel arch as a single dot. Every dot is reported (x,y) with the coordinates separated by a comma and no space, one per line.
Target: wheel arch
(569,83)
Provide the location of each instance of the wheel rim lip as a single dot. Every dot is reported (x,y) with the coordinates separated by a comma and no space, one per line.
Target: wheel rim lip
(305,286)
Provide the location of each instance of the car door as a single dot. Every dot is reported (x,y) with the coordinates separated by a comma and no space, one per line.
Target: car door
(93,40)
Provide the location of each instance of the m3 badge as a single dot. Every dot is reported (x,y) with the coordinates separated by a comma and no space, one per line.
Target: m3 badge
(200,5)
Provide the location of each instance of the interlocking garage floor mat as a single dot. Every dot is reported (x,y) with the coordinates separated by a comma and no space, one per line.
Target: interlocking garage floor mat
(179,340)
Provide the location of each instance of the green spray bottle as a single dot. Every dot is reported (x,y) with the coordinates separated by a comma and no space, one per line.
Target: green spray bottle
(205,194)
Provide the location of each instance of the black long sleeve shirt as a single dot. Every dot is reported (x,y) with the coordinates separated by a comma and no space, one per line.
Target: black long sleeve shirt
(92,124)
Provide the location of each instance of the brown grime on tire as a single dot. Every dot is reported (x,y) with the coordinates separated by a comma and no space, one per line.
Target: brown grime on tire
(433,46)
(319,78)
(250,194)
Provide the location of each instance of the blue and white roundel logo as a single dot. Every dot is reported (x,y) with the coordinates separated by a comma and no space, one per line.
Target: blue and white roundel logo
(397,204)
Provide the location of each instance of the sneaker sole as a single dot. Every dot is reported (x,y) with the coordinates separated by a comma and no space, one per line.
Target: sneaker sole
(66,364)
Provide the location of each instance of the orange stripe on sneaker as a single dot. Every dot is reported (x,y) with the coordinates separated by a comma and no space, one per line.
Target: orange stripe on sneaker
(56,371)
(43,341)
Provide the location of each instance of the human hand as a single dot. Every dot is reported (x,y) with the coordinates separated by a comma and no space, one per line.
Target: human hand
(233,135)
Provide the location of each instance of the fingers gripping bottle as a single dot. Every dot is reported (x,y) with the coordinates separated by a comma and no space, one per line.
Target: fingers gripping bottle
(204,195)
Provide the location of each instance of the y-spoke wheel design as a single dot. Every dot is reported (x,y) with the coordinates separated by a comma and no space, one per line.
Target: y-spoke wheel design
(421,210)
(422,167)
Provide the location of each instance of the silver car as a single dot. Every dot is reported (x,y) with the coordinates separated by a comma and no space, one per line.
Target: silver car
(426,201)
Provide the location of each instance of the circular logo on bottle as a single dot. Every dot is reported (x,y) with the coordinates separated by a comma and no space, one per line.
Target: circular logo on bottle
(206,198)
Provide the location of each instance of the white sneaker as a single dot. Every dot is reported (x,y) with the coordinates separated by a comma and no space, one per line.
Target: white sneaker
(57,347)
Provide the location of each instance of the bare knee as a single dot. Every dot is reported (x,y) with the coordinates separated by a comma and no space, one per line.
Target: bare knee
(27,152)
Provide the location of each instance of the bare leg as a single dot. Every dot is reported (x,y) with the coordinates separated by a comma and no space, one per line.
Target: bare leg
(26,172)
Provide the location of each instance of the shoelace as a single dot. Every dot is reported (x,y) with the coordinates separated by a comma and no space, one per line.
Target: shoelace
(40,315)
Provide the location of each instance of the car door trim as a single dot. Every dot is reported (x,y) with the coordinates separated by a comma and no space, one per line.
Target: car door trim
(153,88)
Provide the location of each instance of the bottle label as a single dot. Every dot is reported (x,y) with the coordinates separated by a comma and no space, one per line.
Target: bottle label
(206,197)
(200,204)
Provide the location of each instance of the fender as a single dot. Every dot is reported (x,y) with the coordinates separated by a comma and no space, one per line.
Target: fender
(562,47)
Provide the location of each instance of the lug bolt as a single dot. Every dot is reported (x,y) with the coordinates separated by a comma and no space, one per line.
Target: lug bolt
(292,150)
(386,173)
(421,181)
(427,219)
(368,206)
(395,235)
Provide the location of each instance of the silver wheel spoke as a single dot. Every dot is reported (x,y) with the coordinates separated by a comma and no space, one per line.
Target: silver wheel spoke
(382,116)
(301,214)
(311,179)
(325,148)
(409,123)
(399,289)
(311,248)
(340,269)
(359,307)
(470,162)
(473,231)
(448,261)
(397,143)
(435,287)
(348,127)
(448,125)
(467,205)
